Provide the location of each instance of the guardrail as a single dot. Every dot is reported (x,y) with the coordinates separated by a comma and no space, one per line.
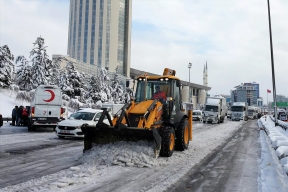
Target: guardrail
(282,124)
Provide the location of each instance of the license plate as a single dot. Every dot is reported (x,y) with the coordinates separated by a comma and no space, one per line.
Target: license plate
(64,131)
(42,118)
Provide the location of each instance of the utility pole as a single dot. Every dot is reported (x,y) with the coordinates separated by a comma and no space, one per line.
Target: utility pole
(272,65)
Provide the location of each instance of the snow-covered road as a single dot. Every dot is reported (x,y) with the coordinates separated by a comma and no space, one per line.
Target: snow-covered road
(98,169)
(59,165)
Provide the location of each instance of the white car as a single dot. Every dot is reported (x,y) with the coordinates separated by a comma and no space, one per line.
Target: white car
(197,115)
(72,126)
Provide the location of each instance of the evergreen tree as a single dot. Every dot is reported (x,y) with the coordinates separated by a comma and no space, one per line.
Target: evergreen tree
(64,84)
(98,90)
(55,71)
(41,64)
(6,63)
(23,76)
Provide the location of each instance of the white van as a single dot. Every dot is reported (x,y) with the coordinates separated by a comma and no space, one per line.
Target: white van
(46,108)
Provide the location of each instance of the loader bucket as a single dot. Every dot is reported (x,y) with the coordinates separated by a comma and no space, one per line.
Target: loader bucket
(103,133)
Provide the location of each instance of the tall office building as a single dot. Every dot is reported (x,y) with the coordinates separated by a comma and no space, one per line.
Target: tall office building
(100,33)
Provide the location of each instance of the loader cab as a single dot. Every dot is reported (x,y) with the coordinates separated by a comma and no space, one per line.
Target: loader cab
(169,86)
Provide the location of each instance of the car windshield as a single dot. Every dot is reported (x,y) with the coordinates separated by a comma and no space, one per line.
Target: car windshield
(211,108)
(196,113)
(82,115)
(251,110)
(237,108)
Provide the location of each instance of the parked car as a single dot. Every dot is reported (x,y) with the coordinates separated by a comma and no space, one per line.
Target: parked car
(71,127)
(197,115)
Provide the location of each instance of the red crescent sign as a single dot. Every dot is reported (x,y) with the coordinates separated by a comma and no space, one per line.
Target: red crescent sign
(52,96)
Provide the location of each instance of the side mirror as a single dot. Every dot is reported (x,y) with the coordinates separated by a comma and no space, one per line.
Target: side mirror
(96,119)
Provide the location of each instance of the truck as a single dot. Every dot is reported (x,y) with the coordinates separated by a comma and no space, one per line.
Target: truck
(239,111)
(252,112)
(215,109)
(46,108)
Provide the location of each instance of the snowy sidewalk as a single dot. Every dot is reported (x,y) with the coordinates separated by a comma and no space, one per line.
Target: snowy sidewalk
(273,162)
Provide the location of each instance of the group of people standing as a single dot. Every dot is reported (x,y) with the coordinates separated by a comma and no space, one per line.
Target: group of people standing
(19,116)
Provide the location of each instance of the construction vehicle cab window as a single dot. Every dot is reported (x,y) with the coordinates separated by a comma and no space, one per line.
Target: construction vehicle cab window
(155,89)
(156,114)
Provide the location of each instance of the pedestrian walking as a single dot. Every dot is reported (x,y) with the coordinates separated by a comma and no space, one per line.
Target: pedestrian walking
(19,115)
(14,114)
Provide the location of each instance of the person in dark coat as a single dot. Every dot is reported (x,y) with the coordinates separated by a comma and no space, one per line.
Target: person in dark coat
(19,115)
(14,114)
(1,121)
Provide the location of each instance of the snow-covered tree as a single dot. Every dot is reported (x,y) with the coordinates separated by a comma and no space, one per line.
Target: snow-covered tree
(76,80)
(41,64)
(55,71)
(119,94)
(23,75)
(6,63)
(117,89)
(98,87)
(64,84)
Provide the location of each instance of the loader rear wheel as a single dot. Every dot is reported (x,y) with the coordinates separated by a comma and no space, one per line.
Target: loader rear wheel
(168,141)
(182,135)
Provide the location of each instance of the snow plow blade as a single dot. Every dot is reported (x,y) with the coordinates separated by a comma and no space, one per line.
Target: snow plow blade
(103,133)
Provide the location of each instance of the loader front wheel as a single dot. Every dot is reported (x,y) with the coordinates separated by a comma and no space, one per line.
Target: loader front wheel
(168,141)
(182,135)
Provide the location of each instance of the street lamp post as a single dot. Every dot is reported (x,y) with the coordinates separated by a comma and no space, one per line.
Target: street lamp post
(272,65)
(189,66)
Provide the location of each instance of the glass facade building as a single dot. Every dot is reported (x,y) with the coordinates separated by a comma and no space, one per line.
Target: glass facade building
(100,33)
(245,93)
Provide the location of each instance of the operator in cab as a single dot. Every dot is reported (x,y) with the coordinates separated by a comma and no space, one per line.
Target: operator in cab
(159,95)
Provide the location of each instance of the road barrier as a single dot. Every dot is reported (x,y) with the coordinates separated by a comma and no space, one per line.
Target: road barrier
(282,124)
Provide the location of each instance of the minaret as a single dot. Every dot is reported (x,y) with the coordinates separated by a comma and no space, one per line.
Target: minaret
(206,75)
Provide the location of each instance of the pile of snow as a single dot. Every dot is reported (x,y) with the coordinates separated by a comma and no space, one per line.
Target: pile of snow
(132,154)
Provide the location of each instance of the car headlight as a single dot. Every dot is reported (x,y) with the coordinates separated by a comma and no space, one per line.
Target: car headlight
(78,127)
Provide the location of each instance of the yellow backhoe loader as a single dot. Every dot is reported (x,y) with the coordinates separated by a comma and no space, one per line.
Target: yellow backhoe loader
(159,118)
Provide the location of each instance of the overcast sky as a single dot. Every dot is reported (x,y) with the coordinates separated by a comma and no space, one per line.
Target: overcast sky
(231,35)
